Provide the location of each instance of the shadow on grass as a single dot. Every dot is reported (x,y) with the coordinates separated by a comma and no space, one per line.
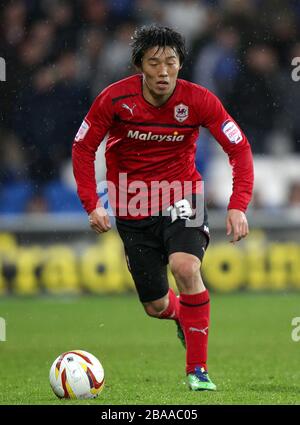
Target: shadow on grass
(274,388)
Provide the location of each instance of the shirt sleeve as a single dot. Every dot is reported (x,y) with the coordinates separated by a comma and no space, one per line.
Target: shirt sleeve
(234,142)
(92,131)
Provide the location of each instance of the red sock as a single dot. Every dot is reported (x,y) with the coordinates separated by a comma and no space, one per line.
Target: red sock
(194,320)
(171,312)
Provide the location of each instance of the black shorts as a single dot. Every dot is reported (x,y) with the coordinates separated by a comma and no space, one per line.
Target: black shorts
(148,244)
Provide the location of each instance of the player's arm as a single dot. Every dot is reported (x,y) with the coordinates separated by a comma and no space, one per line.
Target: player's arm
(87,140)
(234,142)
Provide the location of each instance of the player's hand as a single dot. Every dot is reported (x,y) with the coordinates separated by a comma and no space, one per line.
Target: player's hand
(99,220)
(236,223)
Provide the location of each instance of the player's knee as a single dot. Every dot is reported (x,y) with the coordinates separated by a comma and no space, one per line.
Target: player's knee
(155,308)
(185,270)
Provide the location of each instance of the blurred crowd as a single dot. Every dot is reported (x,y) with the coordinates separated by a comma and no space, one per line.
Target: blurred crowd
(60,54)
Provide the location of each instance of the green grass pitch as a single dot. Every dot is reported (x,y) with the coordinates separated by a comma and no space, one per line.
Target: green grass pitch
(252,357)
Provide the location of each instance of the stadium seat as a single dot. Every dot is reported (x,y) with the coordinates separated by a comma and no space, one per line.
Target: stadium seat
(61,199)
(14,197)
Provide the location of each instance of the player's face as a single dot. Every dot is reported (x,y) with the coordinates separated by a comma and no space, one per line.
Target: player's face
(160,67)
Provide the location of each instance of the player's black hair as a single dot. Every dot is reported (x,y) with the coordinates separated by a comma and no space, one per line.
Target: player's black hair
(146,37)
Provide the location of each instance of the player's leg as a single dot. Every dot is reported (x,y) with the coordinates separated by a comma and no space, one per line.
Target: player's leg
(149,272)
(186,247)
(166,307)
(147,264)
(194,315)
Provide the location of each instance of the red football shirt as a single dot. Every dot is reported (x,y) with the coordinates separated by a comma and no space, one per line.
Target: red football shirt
(147,145)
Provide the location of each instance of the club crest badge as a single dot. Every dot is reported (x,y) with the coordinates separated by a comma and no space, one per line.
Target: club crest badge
(181,112)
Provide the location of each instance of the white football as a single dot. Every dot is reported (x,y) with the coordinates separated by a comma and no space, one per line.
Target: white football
(76,374)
